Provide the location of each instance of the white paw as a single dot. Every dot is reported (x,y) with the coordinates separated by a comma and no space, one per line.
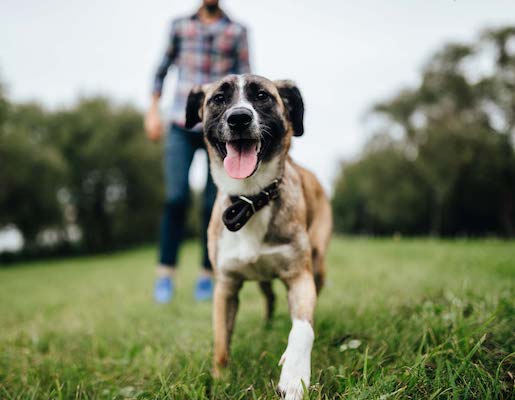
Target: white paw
(292,379)
(296,361)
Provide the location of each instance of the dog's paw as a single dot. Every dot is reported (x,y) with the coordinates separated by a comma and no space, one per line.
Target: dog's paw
(294,376)
(292,389)
(219,368)
(296,361)
(216,373)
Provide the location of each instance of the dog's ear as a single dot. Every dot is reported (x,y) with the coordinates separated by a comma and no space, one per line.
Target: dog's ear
(194,107)
(292,100)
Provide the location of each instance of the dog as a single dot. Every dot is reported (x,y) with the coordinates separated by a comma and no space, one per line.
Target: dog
(271,218)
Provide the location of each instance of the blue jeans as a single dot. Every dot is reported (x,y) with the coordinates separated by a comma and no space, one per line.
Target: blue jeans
(180,147)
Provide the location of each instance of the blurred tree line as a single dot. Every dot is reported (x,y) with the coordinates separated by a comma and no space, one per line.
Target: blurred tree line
(83,178)
(442,161)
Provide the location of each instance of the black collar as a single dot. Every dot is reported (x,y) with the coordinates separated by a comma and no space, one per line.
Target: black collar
(244,207)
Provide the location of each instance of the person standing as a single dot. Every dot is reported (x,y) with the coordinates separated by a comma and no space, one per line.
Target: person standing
(203,47)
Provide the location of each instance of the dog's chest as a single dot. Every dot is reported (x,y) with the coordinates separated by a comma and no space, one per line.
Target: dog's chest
(245,252)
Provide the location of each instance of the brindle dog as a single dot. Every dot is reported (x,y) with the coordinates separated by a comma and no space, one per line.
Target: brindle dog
(284,218)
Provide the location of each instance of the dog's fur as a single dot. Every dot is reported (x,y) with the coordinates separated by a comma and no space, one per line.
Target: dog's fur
(288,238)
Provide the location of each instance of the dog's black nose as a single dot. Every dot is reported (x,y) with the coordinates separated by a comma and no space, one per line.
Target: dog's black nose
(239,119)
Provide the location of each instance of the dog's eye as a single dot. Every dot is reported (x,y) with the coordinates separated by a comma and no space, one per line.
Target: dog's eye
(262,95)
(219,98)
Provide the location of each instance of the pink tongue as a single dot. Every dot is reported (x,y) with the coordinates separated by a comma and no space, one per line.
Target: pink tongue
(241,159)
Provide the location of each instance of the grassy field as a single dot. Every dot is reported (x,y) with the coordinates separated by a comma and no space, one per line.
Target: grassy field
(407,319)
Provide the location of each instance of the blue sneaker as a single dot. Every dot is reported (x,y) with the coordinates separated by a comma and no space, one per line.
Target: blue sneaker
(163,290)
(204,289)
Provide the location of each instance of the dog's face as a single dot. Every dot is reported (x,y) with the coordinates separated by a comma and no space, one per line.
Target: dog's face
(248,121)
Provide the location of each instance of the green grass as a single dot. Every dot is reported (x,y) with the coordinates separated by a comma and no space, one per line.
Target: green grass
(434,320)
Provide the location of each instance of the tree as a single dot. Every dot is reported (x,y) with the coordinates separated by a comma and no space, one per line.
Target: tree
(31,172)
(114,183)
(382,193)
(458,127)
(85,174)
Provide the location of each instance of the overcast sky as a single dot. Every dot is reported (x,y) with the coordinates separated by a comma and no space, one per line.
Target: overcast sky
(344,55)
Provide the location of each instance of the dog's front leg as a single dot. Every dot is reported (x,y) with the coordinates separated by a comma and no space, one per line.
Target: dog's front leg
(225,307)
(296,360)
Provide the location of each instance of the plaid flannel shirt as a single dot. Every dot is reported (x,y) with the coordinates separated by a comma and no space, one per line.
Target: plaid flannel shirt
(202,54)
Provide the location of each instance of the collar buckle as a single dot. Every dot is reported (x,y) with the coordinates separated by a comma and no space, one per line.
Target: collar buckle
(246,199)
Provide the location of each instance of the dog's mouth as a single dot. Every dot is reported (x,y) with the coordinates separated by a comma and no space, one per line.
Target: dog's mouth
(241,157)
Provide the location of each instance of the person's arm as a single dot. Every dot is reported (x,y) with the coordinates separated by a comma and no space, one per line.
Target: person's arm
(153,124)
(242,63)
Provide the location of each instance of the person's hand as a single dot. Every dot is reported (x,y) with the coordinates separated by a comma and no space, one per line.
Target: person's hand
(153,124)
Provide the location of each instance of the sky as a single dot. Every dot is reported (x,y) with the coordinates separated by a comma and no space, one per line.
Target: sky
(344,55)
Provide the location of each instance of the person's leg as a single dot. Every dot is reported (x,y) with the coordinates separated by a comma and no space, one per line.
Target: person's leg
(207,207)
(204,289)
(179,150)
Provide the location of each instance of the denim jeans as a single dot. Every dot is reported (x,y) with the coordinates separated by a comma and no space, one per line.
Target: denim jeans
(180,147)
